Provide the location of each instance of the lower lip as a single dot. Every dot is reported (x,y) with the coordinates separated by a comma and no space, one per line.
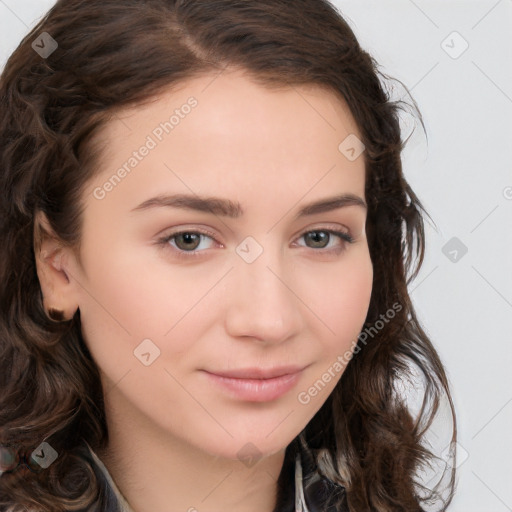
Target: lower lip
(256,390)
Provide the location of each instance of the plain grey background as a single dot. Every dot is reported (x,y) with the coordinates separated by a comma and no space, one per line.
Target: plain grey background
(455,58)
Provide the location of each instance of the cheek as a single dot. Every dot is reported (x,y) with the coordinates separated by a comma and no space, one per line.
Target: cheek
(347,290)
(128,298)
(343,306)
(344,300)
(119,306)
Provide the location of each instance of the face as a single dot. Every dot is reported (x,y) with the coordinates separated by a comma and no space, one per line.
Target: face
(181,305)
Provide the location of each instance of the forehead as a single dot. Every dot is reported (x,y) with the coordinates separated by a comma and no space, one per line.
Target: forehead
(227,132)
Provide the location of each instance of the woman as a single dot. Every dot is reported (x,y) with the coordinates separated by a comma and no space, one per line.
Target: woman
(259,369)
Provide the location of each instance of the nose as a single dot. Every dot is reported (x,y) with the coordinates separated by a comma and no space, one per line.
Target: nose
(262,302)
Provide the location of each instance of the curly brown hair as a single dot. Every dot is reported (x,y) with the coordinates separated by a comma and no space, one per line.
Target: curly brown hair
(112,54)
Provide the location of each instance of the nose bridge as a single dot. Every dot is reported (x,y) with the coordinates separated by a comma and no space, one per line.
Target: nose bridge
(261,304)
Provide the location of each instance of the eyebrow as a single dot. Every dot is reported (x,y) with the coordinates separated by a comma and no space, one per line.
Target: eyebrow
(228,208)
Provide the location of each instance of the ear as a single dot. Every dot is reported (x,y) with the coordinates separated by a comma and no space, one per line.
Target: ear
(51,258)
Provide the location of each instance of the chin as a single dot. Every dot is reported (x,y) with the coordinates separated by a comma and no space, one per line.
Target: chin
(247,450)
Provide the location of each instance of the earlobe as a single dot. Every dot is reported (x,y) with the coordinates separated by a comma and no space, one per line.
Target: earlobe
(53,278)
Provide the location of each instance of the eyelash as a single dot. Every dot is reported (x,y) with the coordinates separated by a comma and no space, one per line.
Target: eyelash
(164,241)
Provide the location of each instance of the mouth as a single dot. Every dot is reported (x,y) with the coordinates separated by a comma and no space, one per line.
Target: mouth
(256,384)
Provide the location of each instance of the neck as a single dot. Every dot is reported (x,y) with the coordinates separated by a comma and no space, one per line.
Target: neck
(157,472)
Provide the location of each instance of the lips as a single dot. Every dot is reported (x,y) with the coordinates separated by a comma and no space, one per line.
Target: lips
(258,373)
(256,384)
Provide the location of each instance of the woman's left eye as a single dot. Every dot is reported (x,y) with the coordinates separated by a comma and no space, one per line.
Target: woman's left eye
(186,243)
(319,236)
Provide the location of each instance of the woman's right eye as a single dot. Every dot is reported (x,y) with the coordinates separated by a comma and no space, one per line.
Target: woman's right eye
(186,243)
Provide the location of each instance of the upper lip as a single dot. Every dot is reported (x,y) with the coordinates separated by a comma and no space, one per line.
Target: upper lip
(258,373)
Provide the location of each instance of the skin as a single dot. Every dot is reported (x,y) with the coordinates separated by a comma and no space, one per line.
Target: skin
(298,303)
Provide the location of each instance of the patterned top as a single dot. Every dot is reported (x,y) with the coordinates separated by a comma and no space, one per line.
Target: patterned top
(123,505)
